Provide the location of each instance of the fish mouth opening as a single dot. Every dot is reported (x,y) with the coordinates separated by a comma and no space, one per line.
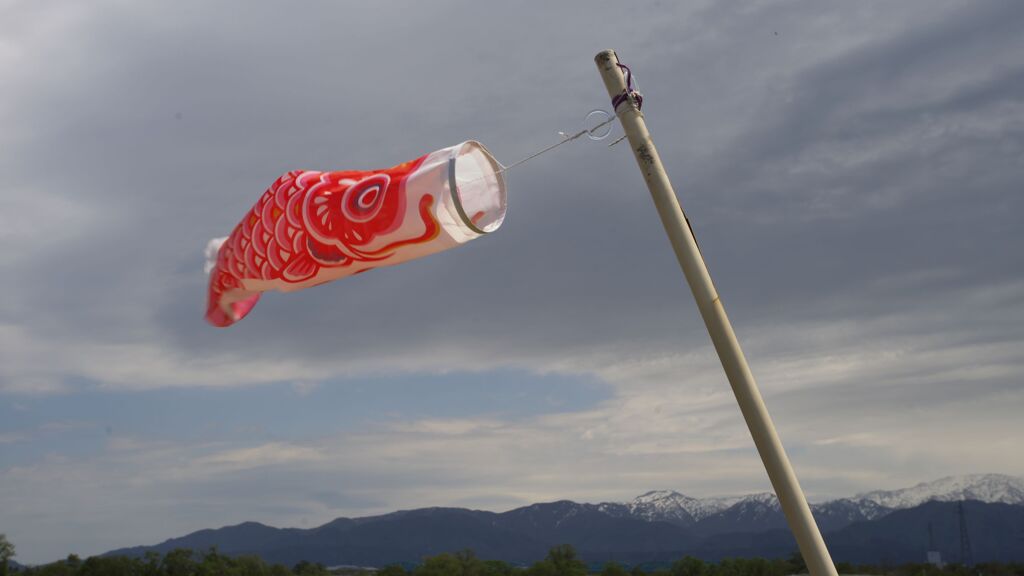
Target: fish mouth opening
(478,187)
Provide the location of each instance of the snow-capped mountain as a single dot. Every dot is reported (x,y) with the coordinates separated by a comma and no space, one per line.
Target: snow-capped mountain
(763,510)
(836,514)
(989,488)
(667,505)
(754,513)
(753,508)
(671,506)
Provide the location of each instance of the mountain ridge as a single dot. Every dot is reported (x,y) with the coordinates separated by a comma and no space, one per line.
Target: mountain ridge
(675,507)
(655,526)
(991,488)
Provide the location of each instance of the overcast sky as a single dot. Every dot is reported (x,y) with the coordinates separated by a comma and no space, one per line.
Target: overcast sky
(854,173)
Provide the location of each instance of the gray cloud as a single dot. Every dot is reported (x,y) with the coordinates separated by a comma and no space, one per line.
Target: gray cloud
(852,172)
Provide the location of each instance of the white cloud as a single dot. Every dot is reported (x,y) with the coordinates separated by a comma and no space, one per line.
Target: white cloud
(272,454)
(11,438)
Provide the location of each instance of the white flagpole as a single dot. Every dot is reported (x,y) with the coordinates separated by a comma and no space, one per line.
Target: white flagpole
(773,455)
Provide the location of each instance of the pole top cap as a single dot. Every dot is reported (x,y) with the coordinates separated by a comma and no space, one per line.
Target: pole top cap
(605,56)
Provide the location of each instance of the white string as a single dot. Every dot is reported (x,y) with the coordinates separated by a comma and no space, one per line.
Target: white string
(557,144)
(504,169)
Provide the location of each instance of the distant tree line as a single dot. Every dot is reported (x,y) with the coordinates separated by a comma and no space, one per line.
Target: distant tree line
(560,561)
(179,562)
(563,561)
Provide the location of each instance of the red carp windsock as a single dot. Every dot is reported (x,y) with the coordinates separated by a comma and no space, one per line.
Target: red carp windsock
(313,227)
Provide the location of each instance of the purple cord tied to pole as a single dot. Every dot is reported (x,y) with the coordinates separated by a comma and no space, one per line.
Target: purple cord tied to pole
(629,91)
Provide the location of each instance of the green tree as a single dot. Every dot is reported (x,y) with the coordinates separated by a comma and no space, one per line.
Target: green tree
(213,564)
(497,568)
(469,564)
(178,562)
(796,564)
(440,565)
(613,569)
(109,566)
(150,564)
(280,570)
(249,566)
(392,570)
(6,553)
(565,562)
(305,568)
(542,568)
(689,566)
(67,567)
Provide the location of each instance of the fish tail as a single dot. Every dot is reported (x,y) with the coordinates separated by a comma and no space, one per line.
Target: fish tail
(224,307)
(226,303)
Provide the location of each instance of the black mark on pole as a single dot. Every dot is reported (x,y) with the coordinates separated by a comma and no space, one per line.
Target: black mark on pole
(644,153)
